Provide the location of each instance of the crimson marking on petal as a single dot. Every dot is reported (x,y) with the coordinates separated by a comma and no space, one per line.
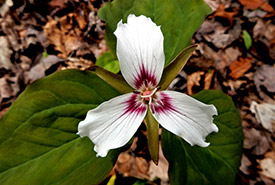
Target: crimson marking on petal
(134,106)
(145,77)
(163,105)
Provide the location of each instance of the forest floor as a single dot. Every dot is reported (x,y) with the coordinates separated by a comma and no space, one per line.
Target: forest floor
(235,53)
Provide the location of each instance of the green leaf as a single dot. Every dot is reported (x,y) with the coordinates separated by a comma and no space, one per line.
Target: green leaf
(112,180)
(38,141)
(216,164)
(247,39)
(172,69)
(179,19)
(108,62)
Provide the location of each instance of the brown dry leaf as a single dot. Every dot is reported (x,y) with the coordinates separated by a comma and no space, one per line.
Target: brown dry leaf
(5,53)
(128,165)
(245,164)
(265,114)
(220,60)
(208,79)
(193,79)
(8,27)
(267,7)
(25,63)
(264,76)
(4,8)
(5,89)
(254,4)
(256,140)
(230,54)
(220,12)
(207,27)
(9,85)
(264,31)
(214,4)
(217,34)
(58,3)
(38,71)
(31,35)
(161,170)
(76,63)
(268,165)
(220,37)
(68,37)
(239,67)
(234,84)
(54,36)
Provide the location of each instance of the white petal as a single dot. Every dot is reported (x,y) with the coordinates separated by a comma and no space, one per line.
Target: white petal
(185,116)
(113,123)
(140,51)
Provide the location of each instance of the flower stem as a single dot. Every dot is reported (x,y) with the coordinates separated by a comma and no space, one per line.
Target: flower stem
(153,136)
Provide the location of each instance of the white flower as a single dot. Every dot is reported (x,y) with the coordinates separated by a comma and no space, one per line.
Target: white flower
(140,53)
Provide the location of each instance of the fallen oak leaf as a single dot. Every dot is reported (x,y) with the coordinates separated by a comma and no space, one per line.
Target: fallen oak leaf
(5,54)
(131,166)
(58,3)
(251,4)
(193,80)
(256,141)
(66,34)
(265,114)
(208,79)
(221,12)
(245,165)
(255,4)
(9,86)
(239,67)
(268,165)
(267,7)
(161,170)
(38,71)
(264,76)
(234,84)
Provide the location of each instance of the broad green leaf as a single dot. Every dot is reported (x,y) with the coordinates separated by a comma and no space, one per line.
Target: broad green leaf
(179,19)
(108,62)
(216,164)
(247,39)
(38,141)
(175,66)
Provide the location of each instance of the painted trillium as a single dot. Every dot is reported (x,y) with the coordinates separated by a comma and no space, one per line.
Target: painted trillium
(141,57)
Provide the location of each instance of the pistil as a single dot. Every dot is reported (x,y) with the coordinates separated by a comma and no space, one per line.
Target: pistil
(147,95)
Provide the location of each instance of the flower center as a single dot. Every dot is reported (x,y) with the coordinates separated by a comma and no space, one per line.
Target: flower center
(147,95)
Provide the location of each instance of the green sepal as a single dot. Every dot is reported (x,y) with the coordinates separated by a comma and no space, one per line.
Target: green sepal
(115,80)
(153,136)
(174,67)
